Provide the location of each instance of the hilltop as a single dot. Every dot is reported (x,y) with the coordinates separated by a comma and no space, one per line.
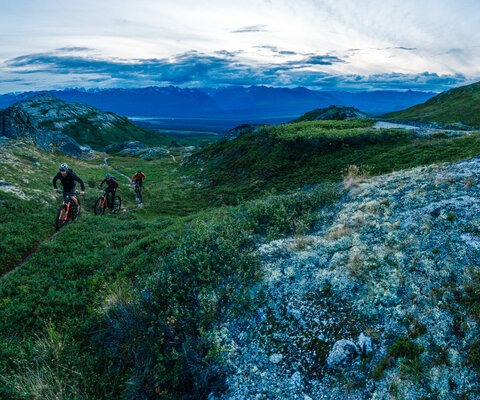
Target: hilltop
(457,107)
(333,113)
(52,123)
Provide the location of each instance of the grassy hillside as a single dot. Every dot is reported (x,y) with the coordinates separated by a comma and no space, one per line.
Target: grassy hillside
(459,105)
(167,273)
(134,305)
(288,156)
(87,130)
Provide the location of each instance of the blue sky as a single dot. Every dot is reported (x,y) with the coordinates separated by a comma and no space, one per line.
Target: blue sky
(320,44)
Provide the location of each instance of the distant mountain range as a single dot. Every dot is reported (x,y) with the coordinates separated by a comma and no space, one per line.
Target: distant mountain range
(241,103)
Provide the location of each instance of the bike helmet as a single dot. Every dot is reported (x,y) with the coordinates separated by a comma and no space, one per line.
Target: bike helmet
(63,167)
(108,176)
(139,171)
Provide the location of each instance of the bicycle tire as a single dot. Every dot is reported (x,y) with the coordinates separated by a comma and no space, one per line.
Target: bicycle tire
(117,203)
(100,205)
(73,216)
(61,221)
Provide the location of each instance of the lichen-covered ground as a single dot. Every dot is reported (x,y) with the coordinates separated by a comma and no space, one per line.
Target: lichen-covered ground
(379,301)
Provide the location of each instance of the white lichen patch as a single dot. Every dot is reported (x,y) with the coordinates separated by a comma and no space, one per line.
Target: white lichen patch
(17,191)
(389,267)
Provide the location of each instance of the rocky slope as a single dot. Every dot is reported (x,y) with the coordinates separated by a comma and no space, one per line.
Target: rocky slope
(53,124)
(380,301)
(338,113)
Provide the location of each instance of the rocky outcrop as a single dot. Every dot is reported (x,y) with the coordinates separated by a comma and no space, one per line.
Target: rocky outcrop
(333,113)
(239,130)
(129,146)
(138,149)
(55,125)
(25,121)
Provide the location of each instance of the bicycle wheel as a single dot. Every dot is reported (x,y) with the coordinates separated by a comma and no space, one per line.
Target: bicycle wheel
(61,220)
(117,203)
(139,196)
(100,205)
(75,212)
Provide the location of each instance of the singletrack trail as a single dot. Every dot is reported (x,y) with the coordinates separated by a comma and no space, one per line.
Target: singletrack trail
(28,256)
(49,238)
(105,164)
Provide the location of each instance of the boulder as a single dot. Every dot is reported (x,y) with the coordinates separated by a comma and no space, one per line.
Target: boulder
(343,353)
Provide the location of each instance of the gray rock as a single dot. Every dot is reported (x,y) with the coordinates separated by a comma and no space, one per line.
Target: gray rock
(276,358)
(342,353)
(364,344)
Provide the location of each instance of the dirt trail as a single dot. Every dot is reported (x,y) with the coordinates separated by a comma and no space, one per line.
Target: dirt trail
(28,256)
(105,164)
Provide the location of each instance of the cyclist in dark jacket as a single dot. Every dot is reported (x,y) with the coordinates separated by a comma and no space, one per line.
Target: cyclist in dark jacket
(68,178)
(112,185)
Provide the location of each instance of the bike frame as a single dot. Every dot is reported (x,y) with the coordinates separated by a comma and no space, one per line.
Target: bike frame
(64,214)
(101,204)
(138,192)
(67,207)
(67,202)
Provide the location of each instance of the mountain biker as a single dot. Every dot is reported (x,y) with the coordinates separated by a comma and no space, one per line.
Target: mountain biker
(139,177)
(67,179)
(112,185)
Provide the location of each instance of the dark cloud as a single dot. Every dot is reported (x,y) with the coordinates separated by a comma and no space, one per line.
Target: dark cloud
(228,54)
(74,49)
(322,60)
(454,51)
(398,48)
(276,51)
(70,66)
(252,28)
(396,81)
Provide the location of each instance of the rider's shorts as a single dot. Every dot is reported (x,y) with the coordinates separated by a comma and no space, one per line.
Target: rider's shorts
(69,192)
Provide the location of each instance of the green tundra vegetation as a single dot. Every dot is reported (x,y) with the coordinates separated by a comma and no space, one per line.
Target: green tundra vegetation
(130,305)
(286,157)
(456,106)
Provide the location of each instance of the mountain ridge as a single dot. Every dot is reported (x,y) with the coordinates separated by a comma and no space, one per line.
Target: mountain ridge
(243,102)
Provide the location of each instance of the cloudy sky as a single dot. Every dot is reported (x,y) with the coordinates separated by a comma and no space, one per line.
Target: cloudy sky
(320,44)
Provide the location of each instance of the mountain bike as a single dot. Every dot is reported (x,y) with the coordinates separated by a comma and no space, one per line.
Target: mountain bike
(138,193)
(67,212)
(102,203)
